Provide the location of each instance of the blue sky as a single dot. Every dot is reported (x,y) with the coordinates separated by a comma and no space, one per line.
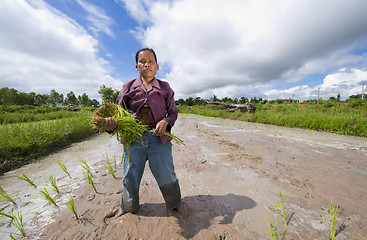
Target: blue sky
(232,48)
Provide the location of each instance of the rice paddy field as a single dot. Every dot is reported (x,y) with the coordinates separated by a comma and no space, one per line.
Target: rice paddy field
(341,118)
(28,133)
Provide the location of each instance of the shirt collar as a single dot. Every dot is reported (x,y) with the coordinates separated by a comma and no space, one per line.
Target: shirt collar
(139,83)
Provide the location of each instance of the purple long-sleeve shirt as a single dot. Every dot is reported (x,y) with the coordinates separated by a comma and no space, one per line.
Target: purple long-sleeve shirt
(159,96)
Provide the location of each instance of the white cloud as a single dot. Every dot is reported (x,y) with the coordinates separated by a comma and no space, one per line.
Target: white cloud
(100,21)
(244,46)
(42,49)
(347,82)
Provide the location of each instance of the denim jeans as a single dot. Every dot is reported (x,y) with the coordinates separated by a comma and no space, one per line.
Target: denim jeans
(159,156)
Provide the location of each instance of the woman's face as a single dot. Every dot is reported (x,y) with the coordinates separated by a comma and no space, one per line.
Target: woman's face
(146,65)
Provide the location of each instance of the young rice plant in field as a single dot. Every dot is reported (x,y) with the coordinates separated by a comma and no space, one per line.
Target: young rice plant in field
(111,170)
(5,197)
(88,175)
(280,208)
(4,214)
(18,223)
(54,184)
(332,218)
(47,196)
(271,229)
(72,207)
(62,166)
(25,178)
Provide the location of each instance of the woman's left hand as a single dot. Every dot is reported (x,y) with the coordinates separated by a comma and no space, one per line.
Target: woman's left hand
(160,128)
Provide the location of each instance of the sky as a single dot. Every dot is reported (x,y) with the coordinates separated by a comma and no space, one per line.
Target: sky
(298,49)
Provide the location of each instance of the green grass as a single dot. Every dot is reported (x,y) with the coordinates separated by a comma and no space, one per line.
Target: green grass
(338,118)
(21,143)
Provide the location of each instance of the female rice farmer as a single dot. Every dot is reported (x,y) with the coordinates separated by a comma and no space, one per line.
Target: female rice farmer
(152,102)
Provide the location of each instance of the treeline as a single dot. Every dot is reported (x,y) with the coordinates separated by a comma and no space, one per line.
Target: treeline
(11,96)
(353,101)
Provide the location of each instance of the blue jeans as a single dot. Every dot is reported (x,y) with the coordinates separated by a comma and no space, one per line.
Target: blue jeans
(149,147)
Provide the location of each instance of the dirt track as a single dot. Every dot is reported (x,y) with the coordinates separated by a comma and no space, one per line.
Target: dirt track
(230,174)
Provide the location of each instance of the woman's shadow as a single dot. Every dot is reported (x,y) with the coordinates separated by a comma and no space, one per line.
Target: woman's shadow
(200,211)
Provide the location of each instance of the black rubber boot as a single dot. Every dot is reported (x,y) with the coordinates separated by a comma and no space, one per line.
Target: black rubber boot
(171,194)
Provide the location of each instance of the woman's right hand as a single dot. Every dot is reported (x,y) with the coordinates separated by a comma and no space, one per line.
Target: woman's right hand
(110,124)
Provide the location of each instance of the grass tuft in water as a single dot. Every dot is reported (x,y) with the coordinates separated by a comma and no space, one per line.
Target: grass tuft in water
(47,196)
(111,170)
(280,208)
(18,223)
(62,166)
(72,207)
(88,175)
(5,197)
(25,178)
(54,184)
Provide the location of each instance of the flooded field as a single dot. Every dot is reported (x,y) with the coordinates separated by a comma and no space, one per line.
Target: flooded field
(230,174)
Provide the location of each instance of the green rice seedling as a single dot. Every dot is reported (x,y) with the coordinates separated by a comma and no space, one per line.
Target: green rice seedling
(107,159)
(114,162)
(18,223)
(62,166)
(111,170)
(332,218)
(72,207)
(47,196)
(90,181)
(4,214)
(54,184)
(88,175)
(358,237)
(85,166)
(5,197)
(25,178)
(272,229)
(280,208)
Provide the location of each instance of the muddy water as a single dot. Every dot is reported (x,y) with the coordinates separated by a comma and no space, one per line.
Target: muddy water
(211,163)
(30,201)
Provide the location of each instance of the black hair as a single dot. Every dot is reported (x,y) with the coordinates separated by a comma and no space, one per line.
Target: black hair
(145,49)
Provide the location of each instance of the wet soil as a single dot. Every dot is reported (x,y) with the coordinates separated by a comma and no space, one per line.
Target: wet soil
(230,174)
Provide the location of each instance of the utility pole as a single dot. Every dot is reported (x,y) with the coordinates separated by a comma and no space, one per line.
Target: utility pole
(362,90)
(318,96)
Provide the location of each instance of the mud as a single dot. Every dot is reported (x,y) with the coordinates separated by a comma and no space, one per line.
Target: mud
(230,174)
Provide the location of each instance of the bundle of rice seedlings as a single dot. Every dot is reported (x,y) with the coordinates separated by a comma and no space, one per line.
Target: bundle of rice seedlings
(128,128)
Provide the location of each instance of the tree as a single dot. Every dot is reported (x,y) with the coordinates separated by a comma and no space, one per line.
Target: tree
(41,99)
(71,99)
(84,100)
(55,98)
(108,94)
(94,103)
